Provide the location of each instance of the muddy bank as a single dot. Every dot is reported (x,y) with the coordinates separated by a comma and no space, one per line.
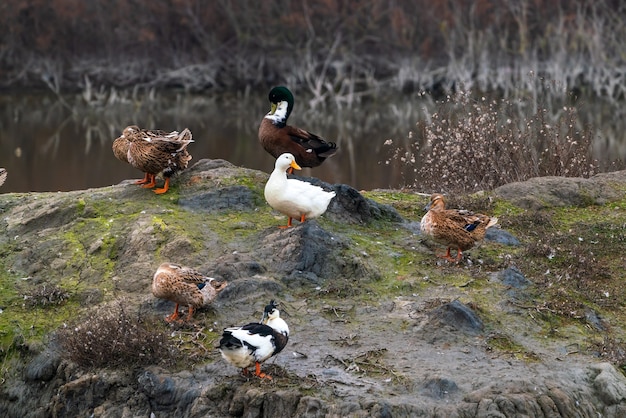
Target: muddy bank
(379,325)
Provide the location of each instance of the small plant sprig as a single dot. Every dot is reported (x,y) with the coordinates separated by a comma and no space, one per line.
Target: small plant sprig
(473,143)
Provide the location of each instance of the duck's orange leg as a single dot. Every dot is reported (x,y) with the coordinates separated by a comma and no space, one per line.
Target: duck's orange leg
(165,188)
(152,182)
(189,313)
(448,256)
(145,180)
(302,218)
(173,317)
(288,223)
(459,255)
(260,373)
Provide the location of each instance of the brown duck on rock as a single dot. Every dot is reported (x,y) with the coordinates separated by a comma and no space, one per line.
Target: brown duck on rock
(278,138)
(184,286)
(154,152)
(454,228)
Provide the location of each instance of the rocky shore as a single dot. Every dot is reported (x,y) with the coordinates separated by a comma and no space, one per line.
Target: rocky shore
(379,325)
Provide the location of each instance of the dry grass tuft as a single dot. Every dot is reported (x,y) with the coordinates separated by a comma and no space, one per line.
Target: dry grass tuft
(112,338)
(43,296)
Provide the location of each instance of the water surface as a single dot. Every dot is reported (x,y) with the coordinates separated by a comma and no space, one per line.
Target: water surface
(50,143)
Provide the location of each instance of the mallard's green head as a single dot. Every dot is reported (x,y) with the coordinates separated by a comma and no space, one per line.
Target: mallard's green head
(281,101)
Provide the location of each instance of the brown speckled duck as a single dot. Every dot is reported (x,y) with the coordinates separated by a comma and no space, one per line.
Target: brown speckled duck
(3,175)
(154,152)
(278,138)
(460,229)
(184,286)
(122,143)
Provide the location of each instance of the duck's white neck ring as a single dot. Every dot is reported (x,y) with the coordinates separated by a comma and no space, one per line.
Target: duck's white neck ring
(280,115)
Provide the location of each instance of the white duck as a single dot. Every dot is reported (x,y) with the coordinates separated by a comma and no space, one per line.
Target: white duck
(292,197)
(256,342)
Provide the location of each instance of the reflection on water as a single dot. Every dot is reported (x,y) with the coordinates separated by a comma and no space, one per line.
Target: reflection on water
(53,144)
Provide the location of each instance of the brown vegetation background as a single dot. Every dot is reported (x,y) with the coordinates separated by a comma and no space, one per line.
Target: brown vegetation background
(339,46)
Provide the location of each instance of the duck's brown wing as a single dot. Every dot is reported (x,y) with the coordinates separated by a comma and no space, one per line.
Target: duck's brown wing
(475,224)
(157,133)
(461,218)
(189,275)
(310,141)
(169,146)
(158,155)
(449,229)
(309,149)
(177,155)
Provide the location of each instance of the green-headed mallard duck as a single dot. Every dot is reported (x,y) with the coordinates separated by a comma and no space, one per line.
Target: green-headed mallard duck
(3,175)
(254,343)
(460,229)
(292,197)
(278,138)
(184,286)
(154,152)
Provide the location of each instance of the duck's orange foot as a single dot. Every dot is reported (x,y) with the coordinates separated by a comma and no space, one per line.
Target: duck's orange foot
(173,317)
(189,314)
(165,188)
(286,226)
(459,255)
(144,180)
(447,256)
(260,374)
(151,183)
(451,259)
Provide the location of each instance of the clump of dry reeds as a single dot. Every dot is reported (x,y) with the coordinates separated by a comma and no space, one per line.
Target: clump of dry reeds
(473,143)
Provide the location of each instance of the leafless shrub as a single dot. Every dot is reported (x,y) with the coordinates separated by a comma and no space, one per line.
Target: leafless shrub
(475,143)
(112,337)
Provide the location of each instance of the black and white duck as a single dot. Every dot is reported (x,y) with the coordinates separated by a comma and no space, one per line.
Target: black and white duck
(256,342)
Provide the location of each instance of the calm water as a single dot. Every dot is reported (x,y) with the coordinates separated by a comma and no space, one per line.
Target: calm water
(58,144)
